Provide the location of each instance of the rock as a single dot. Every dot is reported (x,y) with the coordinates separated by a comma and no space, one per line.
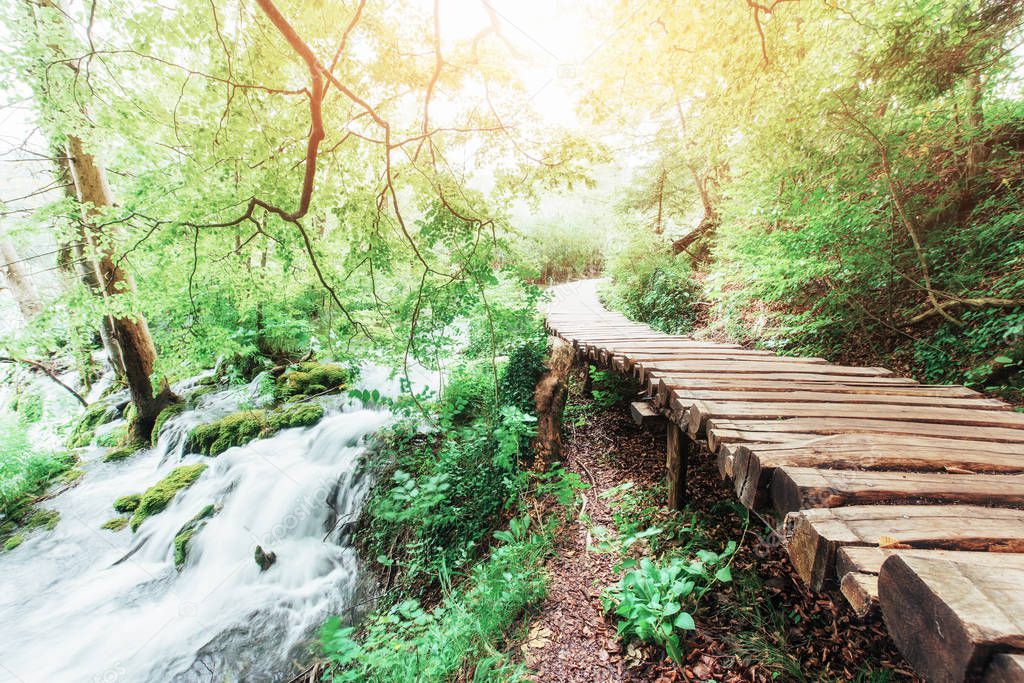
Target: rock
(265,559)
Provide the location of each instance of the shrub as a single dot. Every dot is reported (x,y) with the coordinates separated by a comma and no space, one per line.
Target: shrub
(651,600)
(159,496)
(650,284)
(520,376)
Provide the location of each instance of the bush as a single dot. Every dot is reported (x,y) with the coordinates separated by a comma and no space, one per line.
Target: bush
(522,372)
(651,600)
(159,496)
(408,643)
(650,284)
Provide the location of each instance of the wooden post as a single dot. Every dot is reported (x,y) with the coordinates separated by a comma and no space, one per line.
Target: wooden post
(676,460)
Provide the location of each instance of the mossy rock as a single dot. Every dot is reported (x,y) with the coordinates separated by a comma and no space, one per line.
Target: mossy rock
(192,400)
(94,416)
(187,531)
(120,453)
(235,429)
(115,437)
(14,541)
(166,414)
(312,378)
(159,496)
(43,519)
(128,503)
(298,415)
(115,524)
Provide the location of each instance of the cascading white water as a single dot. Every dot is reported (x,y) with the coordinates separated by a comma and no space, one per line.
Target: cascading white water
(84,604)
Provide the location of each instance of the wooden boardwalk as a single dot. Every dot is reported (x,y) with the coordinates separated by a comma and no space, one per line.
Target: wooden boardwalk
(907,497)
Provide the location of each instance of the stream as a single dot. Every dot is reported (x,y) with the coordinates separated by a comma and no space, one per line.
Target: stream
(80,603)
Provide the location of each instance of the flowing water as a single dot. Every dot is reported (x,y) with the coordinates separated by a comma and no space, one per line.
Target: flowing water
(81,603)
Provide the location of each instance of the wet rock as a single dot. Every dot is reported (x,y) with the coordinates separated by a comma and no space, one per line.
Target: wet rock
(265,559)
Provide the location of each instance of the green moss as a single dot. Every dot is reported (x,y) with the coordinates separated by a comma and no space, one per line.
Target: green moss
(165,414)
(114,437)
(120,453)
(131,413)
(299,415)
(71,475)
(187,531)
(236,429)
(14,541)
(159,496)
(312,378)
(94,416)
(115,524)
(128,503)
(43,519)
(193,398)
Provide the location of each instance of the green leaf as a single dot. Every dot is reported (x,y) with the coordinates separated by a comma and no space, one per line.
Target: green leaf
(685,621)
(724,574)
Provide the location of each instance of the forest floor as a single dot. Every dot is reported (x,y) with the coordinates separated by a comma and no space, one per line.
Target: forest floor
(764,626)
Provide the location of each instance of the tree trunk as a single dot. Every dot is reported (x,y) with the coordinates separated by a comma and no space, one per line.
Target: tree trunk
(549,398)
(659,226)
(130,334)
(15,279)
(83,265)
(977,151)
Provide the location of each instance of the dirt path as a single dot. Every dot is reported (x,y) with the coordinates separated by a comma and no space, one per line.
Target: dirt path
(570,640)
(764,626)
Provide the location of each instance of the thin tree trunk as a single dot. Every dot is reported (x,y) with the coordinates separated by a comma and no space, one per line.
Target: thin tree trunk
(17,281)
(659,226)
(85,267)
(131,334)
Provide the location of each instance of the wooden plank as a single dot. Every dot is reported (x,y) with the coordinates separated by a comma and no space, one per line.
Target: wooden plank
(861,591)
(644,415)
(891,396)
(754,367)
(949,619)
(864,560)
(754,463)
(817,534)
(699,412)
(1005,668)
(842,425)
(780,378)
(796,488)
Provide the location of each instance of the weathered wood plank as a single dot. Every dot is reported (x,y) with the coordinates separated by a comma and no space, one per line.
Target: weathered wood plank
(643,414)
(861,591)
(949,619)
(816,535)
(865,560)
(699,412)
(755,463)
(796,488)
(825,395)
(774,365)
(725,430)
(1005,668)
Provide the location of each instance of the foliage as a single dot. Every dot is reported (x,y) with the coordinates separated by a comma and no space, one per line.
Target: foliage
(159,496)
(651,600)
(608,387)
(520,375)
(408,642)
(25,474)
(650,284)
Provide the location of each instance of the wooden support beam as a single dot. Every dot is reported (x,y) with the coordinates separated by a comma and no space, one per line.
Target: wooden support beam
(644,414)
(678,447)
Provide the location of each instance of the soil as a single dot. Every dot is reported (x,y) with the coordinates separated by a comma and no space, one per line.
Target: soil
(765,626)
